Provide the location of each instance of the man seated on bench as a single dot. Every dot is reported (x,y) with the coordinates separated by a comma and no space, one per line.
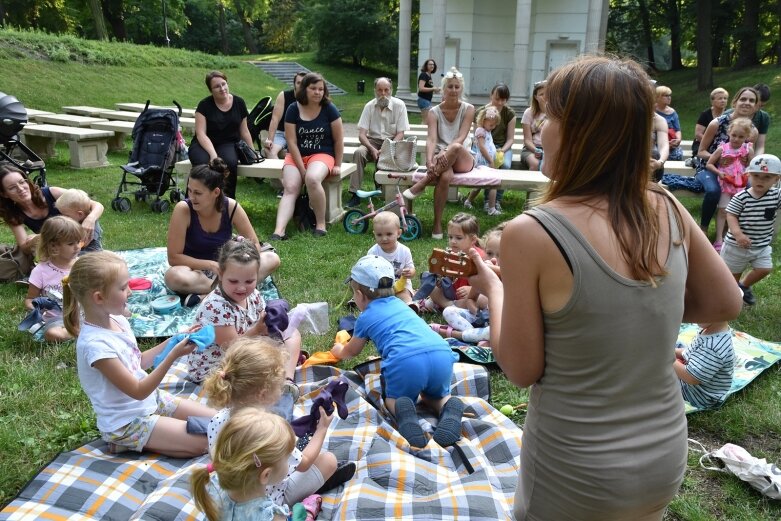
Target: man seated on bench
(383,117)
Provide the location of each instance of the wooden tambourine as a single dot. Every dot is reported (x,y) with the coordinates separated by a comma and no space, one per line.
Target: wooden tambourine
(451,264)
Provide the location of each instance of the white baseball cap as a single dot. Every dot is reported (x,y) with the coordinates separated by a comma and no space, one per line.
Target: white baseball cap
(765,164)
(372,271)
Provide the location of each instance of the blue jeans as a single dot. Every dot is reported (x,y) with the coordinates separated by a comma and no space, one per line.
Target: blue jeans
(710,202)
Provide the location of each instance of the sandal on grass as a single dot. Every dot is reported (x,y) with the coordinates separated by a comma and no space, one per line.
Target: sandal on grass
(443,331)
(448,430)
(407,420)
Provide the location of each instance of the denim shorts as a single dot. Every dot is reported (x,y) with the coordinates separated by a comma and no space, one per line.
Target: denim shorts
(423,103)
(279,139)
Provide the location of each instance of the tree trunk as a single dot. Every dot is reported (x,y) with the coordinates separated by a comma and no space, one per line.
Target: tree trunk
(748,36)
(246,29)
(778,34)
(100,22)
(2,13)
(646,20)
(674,17)
(704,59)
(223,35)
(114,12)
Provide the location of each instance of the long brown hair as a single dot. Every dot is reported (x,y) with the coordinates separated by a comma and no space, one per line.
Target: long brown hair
(605,108)
(9,211)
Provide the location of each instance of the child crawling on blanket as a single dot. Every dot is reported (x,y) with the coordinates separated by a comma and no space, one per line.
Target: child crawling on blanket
(415,360)
(706,366)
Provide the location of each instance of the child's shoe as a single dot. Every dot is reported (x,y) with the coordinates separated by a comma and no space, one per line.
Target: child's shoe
(748,295)
(341,475)
(448,430)
(493,211)
(407,422)
(468,204)
(498,207)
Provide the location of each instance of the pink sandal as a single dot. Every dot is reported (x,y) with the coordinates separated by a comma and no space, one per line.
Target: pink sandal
(437,328)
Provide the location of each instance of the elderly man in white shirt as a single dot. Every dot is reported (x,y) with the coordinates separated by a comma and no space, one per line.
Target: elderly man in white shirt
(383,117)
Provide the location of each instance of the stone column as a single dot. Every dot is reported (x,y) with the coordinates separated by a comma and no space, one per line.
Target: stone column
(519,88)
(596,26)
(405,37)
(438,28)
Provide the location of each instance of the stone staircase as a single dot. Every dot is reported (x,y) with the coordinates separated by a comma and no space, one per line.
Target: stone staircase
(284,72)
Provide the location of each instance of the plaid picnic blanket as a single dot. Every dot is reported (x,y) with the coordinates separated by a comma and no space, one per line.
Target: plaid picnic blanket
(473,480)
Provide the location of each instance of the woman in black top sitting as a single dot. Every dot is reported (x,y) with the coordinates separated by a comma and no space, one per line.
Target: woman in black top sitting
(220,121)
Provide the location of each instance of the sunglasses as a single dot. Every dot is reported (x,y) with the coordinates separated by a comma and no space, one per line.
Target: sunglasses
(452,74)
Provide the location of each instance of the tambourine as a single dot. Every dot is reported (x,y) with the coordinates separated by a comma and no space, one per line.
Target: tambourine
(166,304)
(451,264)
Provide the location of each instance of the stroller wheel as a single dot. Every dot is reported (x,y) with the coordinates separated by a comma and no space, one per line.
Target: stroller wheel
(176,195)
(160,206)
(120,204)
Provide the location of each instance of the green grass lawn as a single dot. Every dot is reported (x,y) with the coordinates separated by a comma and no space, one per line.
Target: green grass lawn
(43,410)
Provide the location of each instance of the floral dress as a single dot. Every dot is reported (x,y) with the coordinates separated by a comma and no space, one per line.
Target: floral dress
(733,165)
(219,311)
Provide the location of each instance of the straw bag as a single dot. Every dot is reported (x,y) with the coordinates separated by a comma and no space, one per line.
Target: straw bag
(398,156)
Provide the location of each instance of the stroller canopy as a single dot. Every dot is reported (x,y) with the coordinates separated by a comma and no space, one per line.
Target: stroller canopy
(13,117)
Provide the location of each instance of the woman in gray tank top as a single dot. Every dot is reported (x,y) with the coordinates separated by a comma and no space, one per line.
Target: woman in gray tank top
(595,282)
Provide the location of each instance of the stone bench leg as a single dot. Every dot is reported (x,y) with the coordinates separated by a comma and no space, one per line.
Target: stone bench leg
(333,200)
(88,153)
(117,142)
(43,146)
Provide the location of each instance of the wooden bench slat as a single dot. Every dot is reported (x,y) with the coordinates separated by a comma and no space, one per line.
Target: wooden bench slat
(272,169)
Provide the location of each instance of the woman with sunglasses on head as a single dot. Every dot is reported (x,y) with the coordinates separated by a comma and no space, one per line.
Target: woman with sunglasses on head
(220,121)
(533,120)
(447,150)
(25,206)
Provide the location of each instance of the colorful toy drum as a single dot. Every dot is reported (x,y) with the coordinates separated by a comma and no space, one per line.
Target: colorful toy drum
(166,304)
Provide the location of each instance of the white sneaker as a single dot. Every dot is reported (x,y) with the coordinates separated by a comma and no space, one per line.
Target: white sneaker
(485,207)
(468,204)
(494,211)
(498,207)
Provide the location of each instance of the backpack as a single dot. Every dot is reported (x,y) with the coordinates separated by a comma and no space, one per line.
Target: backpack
(303,213)
(259,118)
(14,263)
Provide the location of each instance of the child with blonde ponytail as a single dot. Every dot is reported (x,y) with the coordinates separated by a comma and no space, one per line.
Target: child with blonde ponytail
(132,413)
(252,373)
(250,455)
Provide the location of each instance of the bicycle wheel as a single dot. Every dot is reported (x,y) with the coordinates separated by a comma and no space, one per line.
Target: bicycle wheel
(414,228)
(352,225)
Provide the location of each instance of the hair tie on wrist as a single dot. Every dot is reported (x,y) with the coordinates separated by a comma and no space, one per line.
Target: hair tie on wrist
(210,467)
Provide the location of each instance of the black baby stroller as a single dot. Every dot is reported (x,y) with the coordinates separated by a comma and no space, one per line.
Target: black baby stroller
(13,118)
(156,145)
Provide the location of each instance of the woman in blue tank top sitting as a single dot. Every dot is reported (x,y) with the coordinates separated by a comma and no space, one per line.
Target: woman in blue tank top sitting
(199,226)
(24,205)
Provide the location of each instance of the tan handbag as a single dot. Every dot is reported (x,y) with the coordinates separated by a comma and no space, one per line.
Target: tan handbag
(398,156)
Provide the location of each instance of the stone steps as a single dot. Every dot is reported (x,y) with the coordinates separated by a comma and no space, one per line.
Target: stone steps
(284,72)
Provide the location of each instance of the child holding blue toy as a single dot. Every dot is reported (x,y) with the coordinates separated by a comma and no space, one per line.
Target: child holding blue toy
(415,360)
(236,308)
(132,413)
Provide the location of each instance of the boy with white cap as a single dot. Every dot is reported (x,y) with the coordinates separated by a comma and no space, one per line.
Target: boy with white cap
(751,216)
(415,360)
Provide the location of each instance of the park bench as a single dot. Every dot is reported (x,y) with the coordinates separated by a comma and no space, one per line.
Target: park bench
(119,115)
(87,146)
(83,110)
(68,120)
(272,169)
(32,114)
(121,129)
